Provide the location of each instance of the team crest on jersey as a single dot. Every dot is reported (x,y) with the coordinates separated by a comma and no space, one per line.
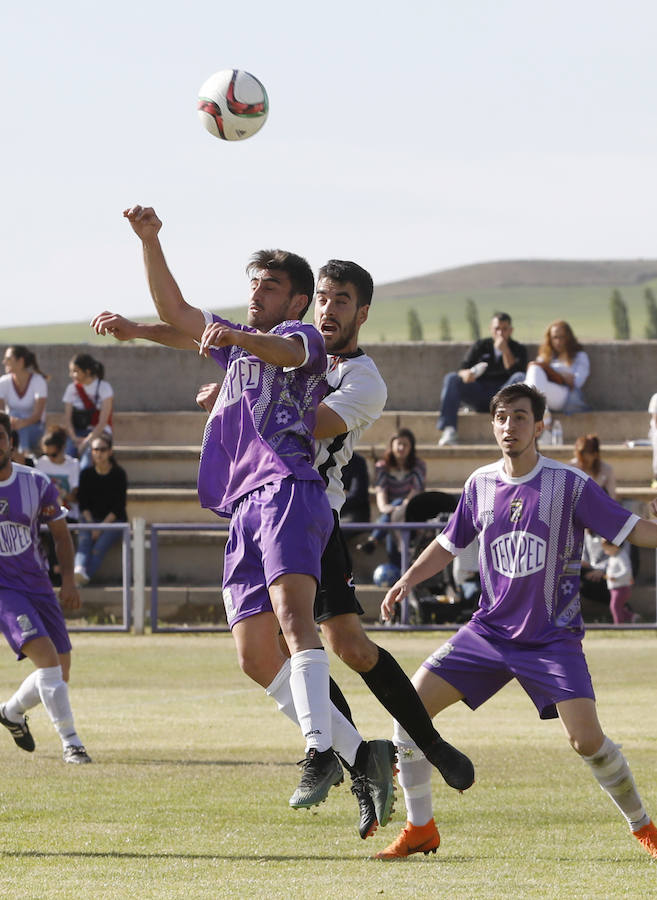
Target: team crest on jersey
(50,511)
(515,509)
(4,506)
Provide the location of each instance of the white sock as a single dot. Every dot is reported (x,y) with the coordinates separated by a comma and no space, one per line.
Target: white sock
(25,698)
(346,740)
(611,771)
(309,683)
(414,778)
(53,691)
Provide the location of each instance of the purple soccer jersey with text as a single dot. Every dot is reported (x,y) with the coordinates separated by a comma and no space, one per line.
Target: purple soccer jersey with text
(261,427)
(531,532)
(28,499)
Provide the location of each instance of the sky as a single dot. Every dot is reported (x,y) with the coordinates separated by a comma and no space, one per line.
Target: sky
(410,137)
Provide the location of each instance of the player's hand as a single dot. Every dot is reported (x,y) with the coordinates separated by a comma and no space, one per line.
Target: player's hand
(69,596)
(112,323)
(395,595)
(144,221)
(216,335)
(207,395)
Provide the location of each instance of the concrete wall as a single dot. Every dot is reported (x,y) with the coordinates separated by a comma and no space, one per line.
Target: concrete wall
(147,377)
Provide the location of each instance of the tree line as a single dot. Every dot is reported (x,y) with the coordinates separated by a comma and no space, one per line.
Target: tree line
(620,320)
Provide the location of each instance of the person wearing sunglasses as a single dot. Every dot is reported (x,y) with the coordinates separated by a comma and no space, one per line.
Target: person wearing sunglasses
(102,498)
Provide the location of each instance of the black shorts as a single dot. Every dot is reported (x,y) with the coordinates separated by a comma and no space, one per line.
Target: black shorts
(336,594)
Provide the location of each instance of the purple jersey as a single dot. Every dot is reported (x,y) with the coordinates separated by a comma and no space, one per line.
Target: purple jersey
(28,499)
(261,427)
(530,533)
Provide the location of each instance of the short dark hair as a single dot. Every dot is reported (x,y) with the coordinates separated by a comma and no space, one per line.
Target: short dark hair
(5,422)
(513,392)
(502,316)
(55,437)
(296,268)
(344,270)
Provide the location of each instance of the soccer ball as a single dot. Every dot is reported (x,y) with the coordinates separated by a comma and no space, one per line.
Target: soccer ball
(232,105)
(386,574)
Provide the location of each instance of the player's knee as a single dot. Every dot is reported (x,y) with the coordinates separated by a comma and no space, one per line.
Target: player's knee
(357,652)
(585,744)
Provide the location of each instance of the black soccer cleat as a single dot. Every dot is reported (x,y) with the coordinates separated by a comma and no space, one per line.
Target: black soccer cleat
(19,731)
(321,771)
(368,821)
(455,767)
(380,770)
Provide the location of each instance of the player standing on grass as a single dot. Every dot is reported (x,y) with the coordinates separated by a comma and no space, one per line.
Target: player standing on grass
(30,616)
(529,513)
(355,400)
(257,468)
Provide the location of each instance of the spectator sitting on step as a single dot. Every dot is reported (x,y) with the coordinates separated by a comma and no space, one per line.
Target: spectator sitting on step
(587,458)
(356,481)
(400,475)
(490,365)
(88,404)
(61,469)
(23,395)
(560,369)
(102,498)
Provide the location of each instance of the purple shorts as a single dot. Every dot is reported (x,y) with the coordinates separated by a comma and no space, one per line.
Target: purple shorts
(26,617)
(279,529)
(479,666)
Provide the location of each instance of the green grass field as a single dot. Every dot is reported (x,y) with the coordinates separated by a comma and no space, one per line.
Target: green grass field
(193,768)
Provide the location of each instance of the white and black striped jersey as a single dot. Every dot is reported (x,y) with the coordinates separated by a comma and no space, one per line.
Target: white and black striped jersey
(357,393)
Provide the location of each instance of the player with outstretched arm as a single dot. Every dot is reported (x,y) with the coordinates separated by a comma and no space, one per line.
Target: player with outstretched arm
(257,469)
(529,513)
(356,398)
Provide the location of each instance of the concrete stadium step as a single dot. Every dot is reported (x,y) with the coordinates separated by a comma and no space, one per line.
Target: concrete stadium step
(185,427)
(165,504)
(474,428)
(203,605)
(171,465)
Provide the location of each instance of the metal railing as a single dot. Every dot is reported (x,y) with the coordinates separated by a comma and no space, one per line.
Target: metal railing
(126,572)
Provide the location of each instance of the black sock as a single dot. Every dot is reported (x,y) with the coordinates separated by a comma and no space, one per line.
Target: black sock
(339,700)
(394,690)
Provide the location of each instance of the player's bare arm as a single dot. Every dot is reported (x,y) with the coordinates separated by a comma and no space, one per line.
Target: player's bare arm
(171,306)
(126,330)
(69,596)
(328,423)
(644,533)
(270,348)
(431,561)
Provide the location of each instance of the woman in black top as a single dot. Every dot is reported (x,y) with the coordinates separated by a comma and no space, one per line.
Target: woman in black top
(102,498)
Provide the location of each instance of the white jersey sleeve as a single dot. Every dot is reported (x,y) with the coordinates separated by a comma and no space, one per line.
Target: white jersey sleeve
(357,393)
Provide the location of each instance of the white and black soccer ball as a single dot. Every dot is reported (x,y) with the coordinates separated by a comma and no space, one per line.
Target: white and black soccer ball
(232,105)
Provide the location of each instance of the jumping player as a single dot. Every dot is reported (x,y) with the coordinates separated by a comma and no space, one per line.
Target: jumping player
(257,468)
(529,513)
(30,616)
(356,398)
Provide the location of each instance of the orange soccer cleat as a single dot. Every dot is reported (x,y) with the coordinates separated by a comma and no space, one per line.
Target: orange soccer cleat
(412,839)
(647,837)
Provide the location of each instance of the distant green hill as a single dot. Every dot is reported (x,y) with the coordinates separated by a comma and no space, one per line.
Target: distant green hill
(533,292)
